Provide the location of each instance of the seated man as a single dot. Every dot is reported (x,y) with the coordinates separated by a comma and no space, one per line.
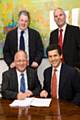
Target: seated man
(21,81)
(60,80)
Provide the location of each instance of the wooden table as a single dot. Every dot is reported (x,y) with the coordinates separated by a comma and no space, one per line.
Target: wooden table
(58,110)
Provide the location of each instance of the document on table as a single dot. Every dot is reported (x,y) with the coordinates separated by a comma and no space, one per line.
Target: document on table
(38,102)
(41,102)
(21,103)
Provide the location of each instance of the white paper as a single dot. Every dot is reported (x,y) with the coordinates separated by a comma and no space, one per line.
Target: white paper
(38,102)
(41,102)
(21,103)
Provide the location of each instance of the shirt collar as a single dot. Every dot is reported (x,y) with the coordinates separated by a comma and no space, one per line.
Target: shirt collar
(64,27)
(25,31)
(19,73)
(58,68)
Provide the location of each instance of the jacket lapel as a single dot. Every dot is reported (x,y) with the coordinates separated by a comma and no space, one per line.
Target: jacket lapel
(62,79)
(29,76)
(15,79)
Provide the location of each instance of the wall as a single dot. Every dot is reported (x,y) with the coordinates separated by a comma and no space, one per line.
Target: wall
(3,67)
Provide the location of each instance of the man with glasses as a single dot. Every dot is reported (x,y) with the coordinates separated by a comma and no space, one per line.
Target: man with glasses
(22,81)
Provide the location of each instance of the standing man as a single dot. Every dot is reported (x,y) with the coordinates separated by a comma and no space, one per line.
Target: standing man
(70,43)
(21,81)
(61,81)
(23,38)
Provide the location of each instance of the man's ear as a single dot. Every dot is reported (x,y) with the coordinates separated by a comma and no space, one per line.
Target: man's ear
(61,56)
(27,62)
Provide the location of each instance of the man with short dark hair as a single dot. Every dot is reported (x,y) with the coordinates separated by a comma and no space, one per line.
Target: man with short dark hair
(65,83)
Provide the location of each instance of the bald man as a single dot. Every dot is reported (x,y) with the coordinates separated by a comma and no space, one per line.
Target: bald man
(70,38)
(11,79)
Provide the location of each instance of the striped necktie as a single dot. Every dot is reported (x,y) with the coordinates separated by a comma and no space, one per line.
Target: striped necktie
(22,83)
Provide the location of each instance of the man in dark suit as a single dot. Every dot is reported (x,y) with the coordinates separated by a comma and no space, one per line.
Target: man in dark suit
(70,38)
(11,79)
(32,41)
(68,78)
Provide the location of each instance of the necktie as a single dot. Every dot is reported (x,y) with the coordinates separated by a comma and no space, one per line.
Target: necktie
(22,83)
(60,42)
(60,38)
(22,44)
(54,84)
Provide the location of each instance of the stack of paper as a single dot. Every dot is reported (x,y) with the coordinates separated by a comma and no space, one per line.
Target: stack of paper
(38,102)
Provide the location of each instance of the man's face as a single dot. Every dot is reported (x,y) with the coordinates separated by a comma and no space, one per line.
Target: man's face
(20,61)
(23,22)
(59,17)
(54,57)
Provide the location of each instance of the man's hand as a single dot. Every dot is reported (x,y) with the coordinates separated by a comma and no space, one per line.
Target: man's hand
(12,65)
(43,93)
(22,96)
(34,64)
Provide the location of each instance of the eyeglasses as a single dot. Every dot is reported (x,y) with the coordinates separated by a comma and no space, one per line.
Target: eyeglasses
(19,61)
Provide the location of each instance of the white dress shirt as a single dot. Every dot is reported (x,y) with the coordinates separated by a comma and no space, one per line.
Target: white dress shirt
(26,40)
(63,32)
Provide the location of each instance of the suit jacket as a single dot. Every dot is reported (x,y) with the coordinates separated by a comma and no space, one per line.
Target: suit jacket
(10,83)
(35,46)
(71,44)
(69,83)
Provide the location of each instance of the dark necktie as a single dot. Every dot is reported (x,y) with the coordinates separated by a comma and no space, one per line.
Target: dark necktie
(22,83)
(22,44)
(54,84)
(60,38)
